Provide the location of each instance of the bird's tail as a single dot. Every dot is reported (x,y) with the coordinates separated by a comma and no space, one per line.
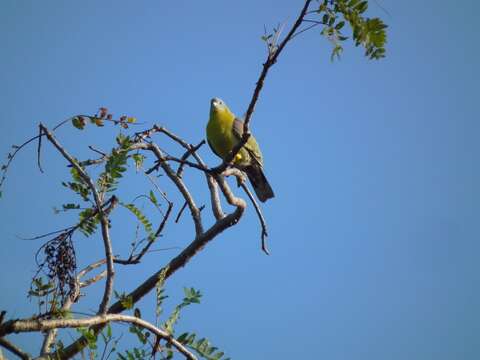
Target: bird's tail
(259,182)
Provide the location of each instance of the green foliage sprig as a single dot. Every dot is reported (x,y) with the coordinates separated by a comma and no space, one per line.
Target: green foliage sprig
(203,347)
(367,32)
(192,296)
(332,16)
(115,166)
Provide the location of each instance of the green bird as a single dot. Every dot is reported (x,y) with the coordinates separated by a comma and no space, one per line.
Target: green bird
(224,131)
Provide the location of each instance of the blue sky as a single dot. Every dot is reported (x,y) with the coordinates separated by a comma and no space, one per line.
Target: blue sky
(374,228)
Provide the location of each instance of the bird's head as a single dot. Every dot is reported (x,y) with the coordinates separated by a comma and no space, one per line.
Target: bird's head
(218,106)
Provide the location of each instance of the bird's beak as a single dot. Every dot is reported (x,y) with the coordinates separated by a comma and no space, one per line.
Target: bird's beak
(215,102)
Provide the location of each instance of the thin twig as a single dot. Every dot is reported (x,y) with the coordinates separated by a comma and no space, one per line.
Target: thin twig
(17,148)
(180,212)
(93,279)
(90,267)
(39,148)
(263,223)
(47,234)
(161,192)
(97,151)
(186,162)
(306,29)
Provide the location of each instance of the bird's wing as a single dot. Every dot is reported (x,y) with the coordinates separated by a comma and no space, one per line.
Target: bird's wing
(251,146)
(238,128)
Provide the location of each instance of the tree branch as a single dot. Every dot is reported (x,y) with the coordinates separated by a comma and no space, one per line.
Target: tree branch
(103,220)
(17,326)
(14,349)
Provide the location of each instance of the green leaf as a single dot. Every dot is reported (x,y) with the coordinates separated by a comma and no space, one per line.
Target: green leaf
(340,25)
(70,206)
(127,302)
(88,222)
(152,197)
(190,339)
(218,355)
(160,291)
(114,167)
(182,338)
(140,335)
(124,141)
(362,7)
(138,159)
(97,121)
(336,52)
(137,313)
(79,122)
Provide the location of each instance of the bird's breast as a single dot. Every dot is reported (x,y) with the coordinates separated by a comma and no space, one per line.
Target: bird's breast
(220,136)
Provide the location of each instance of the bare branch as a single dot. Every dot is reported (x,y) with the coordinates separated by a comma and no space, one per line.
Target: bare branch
(215,198)
(39,148)
(180,212)
(307,28)
(186,162)
(103,154)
